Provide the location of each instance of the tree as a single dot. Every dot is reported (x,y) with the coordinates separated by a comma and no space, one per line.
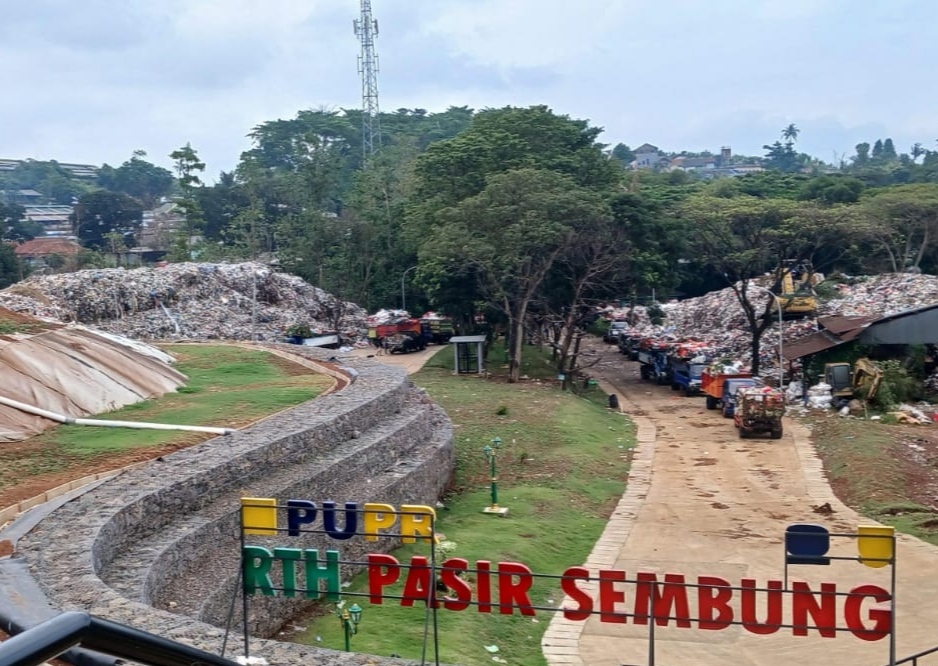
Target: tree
(862,157)
(831,189)
(790,134)
(743,238)
(508,237)
(101,213)
(889,151)
(14,226)
(624,154)
(902,221)
(138,178)
(188,167)
(11,269)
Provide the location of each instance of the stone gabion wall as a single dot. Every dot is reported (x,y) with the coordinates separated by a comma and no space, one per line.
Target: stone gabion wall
(99,535)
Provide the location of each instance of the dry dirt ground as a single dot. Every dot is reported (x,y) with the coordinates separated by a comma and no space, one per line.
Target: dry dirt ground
(718,505)
(81,466)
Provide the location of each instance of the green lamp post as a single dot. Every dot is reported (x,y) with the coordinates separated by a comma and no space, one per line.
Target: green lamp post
(349,617)
(491,453)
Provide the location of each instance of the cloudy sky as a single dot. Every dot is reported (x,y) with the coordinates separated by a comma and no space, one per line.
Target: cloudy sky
(91,81)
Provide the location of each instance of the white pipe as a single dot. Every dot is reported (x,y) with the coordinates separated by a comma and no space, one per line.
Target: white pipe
(170,317)
(52,416)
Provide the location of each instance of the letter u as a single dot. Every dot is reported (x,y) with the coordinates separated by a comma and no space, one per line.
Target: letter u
(351,520)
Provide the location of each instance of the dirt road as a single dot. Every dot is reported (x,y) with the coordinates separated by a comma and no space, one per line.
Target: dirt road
(712,504)
(411,362)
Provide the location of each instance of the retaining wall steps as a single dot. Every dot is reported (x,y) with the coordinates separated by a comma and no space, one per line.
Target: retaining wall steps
(141,572)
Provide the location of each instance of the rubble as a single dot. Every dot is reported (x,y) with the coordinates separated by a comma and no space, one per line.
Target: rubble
(718,320)
(197,301)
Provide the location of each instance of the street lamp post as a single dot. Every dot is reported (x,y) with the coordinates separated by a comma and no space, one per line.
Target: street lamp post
(403,298)
(778,305)
(349,617)
(491,453)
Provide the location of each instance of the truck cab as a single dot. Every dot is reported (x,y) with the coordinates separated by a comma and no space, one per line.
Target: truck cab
(730,387)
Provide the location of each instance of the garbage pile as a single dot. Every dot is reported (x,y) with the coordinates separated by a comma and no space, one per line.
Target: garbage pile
(197,301)
(718,319)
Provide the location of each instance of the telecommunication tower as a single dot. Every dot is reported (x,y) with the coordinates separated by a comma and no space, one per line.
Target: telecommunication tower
(366,29)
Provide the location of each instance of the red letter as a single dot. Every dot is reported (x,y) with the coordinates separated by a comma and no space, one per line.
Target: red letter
(882,617)
(382,570)
(484,586)
(418,586)
(748,607)
(449,574)
(609,596)
(714,595)
(804,602)
(583,600)
(672,595)
(513,593)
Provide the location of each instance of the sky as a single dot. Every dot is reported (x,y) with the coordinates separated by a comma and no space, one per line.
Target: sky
(92,81)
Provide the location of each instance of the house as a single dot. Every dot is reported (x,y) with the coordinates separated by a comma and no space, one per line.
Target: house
(682,163)
(38,252)
(159,225)
(21,197)
(55,220)
(647,156)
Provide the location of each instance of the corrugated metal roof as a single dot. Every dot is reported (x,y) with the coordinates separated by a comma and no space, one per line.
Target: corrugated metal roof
(841,324)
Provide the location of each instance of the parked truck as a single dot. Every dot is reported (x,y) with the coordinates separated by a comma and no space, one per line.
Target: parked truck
(758,411)
(653,355)
(686,375)
(719,385)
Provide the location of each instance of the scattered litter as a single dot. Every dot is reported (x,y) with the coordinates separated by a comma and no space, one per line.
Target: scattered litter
(491,648)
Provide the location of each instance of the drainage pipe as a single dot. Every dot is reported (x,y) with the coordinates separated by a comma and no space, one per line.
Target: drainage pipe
(70,420)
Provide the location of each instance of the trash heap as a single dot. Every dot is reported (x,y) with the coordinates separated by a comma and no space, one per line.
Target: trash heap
(718,320)
(197,301)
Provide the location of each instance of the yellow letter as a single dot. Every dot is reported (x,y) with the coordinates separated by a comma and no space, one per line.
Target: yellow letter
(377,517)
(417,520)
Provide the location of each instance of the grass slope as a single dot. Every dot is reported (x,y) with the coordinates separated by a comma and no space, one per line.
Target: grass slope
(561,470)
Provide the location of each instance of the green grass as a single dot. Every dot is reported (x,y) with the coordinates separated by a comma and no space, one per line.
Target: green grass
(562,468)
(227,387)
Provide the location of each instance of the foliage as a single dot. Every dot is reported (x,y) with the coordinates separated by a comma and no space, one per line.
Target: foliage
(138,178)
(54,182)
(14,226)
(11,268)
(897,386)
(902,223)
(101,213)
(188,167)
(656,314)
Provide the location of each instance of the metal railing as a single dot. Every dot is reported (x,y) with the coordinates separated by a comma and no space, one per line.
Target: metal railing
(53,637)
(913,659)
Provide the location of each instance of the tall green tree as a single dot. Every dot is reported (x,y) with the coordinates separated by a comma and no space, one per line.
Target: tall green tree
(137,177)
(508,237)
(902,222)
(98,215)
(11,269)
(188,169)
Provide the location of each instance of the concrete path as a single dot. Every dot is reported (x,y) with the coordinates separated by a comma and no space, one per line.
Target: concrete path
(700,501)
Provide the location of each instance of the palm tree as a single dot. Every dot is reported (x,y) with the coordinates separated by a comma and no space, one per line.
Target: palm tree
(790,133)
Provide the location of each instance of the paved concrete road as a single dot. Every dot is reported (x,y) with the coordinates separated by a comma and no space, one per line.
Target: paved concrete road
(703,502)
(411,362)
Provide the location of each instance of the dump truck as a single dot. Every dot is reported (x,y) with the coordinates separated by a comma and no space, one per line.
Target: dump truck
(653,355)
(437,329)
(758,411)
(686,375)
(714,383)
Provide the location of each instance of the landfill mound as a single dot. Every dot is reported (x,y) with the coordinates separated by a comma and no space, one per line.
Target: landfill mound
(718,319)
(54,367)
(194,301)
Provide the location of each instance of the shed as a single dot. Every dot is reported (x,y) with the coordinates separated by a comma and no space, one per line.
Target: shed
(912,327)
(833,331)
(462,353)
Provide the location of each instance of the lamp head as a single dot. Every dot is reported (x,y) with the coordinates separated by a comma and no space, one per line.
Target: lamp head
(355,612)
(497,442)
(487,450)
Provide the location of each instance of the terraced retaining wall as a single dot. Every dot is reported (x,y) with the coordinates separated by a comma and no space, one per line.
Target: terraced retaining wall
(157,547)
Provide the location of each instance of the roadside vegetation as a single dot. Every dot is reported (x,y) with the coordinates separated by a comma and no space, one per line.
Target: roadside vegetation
(228,387)
(561,469)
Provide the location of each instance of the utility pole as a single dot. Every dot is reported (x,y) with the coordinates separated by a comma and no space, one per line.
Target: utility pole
(366,29)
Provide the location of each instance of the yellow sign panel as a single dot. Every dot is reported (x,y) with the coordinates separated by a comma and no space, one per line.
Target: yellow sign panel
(876,544)
(259,515)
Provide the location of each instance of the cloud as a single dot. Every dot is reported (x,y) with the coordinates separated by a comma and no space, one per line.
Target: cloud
(94,80)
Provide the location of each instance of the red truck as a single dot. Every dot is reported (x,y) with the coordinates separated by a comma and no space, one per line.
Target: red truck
(713,383)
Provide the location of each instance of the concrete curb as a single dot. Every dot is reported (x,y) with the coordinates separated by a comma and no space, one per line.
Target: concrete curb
(560,644)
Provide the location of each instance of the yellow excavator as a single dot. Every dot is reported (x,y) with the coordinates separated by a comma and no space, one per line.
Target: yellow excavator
(846,382)
(795,290)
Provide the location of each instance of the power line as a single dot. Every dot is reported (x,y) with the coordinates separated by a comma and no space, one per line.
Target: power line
(366,29)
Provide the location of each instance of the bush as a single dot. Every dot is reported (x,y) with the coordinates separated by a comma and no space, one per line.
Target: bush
(896,386)
(655,314)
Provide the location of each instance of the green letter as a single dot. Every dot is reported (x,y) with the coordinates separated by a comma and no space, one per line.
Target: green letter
(257,561)
(328,573)
(287,557)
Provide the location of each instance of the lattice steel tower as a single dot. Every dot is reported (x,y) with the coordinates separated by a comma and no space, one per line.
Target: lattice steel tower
(366,29)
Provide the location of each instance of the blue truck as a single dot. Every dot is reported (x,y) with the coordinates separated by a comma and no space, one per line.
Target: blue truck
(686,375)
(730,387)
(654,364)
